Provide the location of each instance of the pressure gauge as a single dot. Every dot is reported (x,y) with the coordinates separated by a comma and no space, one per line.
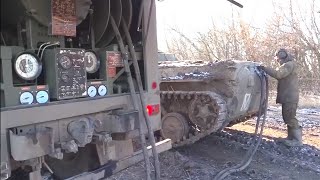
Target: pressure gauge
(26,98)
(27,66)
(92,62)
(92,91)
(65,78)
(65,62)
(42,97)
(102,90)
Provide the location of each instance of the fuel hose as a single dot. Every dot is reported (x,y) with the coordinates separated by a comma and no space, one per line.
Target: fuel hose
(257,140)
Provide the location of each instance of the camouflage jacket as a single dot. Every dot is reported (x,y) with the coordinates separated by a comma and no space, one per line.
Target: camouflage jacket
(288,87)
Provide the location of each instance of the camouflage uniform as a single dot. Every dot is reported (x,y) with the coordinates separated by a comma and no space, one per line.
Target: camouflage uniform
(288,96)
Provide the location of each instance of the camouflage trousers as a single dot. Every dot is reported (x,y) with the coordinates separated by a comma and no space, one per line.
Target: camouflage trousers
(289,114)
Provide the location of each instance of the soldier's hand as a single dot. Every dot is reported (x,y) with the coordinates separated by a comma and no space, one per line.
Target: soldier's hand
(260,68)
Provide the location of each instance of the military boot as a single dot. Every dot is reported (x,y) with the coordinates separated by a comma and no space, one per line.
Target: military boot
(289,135)
(296,138)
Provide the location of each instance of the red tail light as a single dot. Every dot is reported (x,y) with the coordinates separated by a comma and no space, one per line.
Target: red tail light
(154,85)
(153,109)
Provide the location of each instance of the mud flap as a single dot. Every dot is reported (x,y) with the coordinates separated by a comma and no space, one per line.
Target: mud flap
(114,167)
(31,145)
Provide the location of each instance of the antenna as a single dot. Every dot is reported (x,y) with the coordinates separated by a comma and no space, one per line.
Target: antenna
(236,3)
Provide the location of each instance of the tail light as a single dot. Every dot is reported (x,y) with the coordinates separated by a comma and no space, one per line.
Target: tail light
(154,85)
(153,109)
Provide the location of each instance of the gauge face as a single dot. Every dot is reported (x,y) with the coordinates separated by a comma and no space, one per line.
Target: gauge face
(65,62)
(27,66)
(92,62)
(42,97)
(26,98)
(65,78)
(102,90)
(92,91)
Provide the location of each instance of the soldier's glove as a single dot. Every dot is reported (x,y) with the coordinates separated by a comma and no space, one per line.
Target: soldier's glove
(260,68)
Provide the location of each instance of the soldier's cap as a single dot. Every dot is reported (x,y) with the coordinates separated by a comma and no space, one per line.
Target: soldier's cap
(282,53)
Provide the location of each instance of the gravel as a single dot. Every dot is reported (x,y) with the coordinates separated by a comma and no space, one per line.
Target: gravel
(204,159)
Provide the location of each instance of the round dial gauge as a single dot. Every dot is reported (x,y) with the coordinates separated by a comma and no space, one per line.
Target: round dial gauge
(92,91)
(42,97)
(102,90)
(65,78)
(26,98)
(65,62)
(92,62)
(27,66)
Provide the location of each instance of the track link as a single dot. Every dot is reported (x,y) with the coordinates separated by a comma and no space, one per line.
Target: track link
(181,102)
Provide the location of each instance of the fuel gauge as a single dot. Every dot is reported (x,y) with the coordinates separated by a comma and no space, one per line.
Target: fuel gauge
(102,90)
(92,91)
(42,97)
(26,98)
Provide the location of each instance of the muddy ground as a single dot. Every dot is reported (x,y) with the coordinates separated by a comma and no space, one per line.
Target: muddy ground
(204,159)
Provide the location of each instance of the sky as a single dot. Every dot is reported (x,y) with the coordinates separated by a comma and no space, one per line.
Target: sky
(192,16)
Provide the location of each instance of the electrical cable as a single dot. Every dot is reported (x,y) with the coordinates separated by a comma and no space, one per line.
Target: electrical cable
(250,153)
(3,41)
(54,44)
(43,44)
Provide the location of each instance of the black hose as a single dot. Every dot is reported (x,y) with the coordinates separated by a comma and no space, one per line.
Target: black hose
(250,153)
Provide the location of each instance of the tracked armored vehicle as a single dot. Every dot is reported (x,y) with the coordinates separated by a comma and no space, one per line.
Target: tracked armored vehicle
(199,98)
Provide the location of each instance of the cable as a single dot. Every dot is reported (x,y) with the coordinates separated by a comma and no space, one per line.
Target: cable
(2,38)
(250,153)
(41,47)
(54,44)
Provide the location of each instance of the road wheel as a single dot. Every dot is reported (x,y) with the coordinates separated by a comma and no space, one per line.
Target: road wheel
(174,126)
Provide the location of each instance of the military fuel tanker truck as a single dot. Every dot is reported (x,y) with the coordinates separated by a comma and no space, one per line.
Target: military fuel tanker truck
(68,101)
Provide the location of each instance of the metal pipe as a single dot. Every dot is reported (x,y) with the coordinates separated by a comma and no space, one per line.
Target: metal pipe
(140,16)
(140,86)
(133,96)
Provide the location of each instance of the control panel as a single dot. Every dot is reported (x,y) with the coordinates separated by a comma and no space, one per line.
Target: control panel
(26,95)
(66,73)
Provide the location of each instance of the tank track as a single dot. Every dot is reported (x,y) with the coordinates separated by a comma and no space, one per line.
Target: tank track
(169,100)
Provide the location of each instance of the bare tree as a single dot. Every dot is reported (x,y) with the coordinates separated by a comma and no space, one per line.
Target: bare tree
(289,28)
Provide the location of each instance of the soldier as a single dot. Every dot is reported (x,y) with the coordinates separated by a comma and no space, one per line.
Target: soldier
(287,95)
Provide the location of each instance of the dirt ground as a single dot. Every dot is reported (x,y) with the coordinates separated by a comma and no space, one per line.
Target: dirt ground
(204,159)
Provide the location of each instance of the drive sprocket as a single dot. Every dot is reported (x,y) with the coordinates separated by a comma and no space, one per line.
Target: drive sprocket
(203,111)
